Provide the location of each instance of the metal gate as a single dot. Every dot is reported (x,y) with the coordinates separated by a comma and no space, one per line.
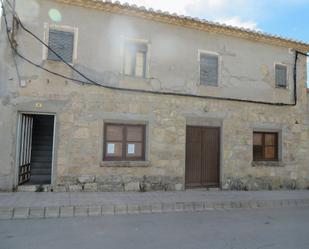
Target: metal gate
(202,156)
(25,141)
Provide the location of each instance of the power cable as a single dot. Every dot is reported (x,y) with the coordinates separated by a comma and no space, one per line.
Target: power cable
(92,82)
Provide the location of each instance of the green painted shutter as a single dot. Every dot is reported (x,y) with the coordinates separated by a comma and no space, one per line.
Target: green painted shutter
(281,75)
(209,69)
(62,43)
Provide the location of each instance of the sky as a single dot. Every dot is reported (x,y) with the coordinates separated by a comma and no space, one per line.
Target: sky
(288,18)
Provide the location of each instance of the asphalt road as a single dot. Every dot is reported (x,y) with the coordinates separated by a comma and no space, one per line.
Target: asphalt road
(224,229)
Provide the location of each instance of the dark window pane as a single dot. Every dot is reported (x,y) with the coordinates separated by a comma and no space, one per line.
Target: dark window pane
(257,153)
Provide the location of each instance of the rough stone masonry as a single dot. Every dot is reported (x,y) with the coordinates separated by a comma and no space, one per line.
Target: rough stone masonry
(246,71)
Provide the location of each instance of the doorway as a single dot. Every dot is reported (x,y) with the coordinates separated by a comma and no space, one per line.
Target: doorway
(202,157)
(35,148)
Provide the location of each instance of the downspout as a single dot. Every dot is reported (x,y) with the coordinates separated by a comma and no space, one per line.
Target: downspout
(295,77)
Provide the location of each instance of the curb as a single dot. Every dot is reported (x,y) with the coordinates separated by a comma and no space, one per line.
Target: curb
(142,208)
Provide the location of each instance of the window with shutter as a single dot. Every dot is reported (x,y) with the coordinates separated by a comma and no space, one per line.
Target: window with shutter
(124,142)
(135,56)
(281,75)
(265,146)
(62,43)
(209,69)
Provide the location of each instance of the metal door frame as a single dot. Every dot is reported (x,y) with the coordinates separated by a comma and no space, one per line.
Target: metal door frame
(18,132)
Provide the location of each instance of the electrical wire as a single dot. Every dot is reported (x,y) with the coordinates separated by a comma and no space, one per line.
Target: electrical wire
(9,4)
(52,50)
(295,73)
(92,82)
(302,53)
(14,50)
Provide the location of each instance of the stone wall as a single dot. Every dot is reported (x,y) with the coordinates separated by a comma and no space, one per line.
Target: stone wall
(82,110)
(118,183)
(79,141)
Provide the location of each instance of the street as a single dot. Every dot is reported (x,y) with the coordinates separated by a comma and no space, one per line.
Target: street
(285,228)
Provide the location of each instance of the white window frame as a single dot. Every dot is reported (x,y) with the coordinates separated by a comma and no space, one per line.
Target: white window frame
(207,52)
(64,28)
(148,56)
(287,75)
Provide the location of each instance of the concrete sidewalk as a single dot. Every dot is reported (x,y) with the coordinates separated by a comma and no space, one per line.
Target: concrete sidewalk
(69,204)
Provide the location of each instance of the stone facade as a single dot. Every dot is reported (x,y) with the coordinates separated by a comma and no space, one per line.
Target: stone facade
(82,110)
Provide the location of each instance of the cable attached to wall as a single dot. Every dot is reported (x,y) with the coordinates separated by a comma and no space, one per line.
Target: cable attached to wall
(295,77)
(92,82)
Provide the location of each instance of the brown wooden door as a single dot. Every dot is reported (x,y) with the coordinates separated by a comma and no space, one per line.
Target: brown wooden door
(202,156)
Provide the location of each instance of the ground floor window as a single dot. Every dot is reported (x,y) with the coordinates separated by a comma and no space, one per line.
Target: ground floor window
(124,142)
(265,146)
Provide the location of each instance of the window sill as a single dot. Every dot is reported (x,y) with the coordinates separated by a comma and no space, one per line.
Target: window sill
(268,164)
(56,62)
(125,164)
(130,76)
(282,87)
(208,85)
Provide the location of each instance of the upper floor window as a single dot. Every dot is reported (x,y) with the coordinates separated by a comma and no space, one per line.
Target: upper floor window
(135,57)
(265,146)
(62,42)
(124,142)
(281,75)
(209,69)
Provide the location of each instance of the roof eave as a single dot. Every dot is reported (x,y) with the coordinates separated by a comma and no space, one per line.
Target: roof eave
(165,17)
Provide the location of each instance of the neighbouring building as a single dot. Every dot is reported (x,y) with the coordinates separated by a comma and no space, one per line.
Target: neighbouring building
(147,101)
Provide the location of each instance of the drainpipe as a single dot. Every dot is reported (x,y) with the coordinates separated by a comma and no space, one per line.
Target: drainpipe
(295,77)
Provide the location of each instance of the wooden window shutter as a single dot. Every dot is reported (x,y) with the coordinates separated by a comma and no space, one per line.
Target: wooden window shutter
(265,146)
(62,43)
(209,69)
(123,142)
(281,75)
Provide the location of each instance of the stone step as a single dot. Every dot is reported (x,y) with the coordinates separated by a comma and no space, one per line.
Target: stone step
(33,187)
(40,179)
(40,171)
